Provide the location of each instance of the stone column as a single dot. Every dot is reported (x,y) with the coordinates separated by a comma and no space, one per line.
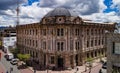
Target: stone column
(47,59)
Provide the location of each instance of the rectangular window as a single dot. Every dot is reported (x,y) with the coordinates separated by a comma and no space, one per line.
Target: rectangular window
(77,44)
(58,46)
(91,43)
(91,31)
(36,43)
(60,32)
(87,31)
(99,42)
(30,31)
(77,32)
(71,44)
(62,45)
(95,42)
(44,45)
(87,43)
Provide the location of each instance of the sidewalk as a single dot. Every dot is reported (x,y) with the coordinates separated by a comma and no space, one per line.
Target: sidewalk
(1,69)
(81,68)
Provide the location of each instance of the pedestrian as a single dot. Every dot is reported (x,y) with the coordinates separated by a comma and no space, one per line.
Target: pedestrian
(11,69)
(34,71)
(6,71)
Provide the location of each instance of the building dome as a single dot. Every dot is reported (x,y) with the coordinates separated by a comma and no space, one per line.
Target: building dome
(61,12)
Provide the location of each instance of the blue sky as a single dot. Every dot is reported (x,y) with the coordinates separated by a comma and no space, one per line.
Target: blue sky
(108,3)
(31,11)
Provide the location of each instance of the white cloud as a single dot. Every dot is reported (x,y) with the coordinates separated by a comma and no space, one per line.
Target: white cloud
(32,13)
(88,9)
(102,6)
(116,4)
(103,17)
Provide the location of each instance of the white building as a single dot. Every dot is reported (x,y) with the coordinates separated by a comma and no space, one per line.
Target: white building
(8,38)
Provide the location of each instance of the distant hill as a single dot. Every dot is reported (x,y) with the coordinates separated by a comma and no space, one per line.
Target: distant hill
(1,28)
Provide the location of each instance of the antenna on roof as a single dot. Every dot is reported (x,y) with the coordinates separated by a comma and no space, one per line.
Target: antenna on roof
(17,10)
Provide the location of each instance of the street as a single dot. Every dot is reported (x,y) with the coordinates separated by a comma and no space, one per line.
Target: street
(6,65)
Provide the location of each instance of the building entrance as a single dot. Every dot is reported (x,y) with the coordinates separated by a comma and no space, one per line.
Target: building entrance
(60,62)
(76,59)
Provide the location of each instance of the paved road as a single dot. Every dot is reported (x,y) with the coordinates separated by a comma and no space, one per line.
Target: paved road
(6,64)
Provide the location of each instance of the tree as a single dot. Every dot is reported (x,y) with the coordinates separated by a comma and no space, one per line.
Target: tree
(89,59)
(23,57)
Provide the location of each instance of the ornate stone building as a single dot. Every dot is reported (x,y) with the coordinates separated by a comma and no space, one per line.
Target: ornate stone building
(62,39)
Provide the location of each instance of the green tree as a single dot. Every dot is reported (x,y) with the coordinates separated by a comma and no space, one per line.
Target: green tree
(23,57)
(89,59)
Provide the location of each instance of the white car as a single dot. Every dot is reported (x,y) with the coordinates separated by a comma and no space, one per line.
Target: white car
(14,61)
(104,68)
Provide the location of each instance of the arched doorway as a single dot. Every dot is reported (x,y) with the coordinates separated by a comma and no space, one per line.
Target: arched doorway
(60,62)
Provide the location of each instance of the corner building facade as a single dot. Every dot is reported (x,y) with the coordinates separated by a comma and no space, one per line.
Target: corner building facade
(62,39)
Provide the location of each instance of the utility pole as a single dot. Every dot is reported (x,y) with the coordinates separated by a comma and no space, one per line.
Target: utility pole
(17,10)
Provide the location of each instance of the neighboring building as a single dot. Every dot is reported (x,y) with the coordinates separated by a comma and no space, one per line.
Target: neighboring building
(113,52)
(1,30)
(8,38)
(62,39)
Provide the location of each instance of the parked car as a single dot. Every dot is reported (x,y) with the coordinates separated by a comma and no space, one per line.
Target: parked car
(9,56)
(14,61)
(104,68)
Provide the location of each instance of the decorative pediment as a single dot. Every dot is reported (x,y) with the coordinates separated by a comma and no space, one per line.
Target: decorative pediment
(77,20)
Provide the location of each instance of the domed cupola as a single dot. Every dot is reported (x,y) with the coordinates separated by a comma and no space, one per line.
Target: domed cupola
(60,16)
(61,12)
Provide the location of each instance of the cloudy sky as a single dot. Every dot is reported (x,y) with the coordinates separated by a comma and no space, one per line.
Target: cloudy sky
(32,11)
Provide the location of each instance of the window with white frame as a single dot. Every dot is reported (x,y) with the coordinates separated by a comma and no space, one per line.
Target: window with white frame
(77,45)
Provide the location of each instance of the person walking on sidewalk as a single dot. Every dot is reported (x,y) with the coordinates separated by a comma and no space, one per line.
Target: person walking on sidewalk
(11,69)
(6,71)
